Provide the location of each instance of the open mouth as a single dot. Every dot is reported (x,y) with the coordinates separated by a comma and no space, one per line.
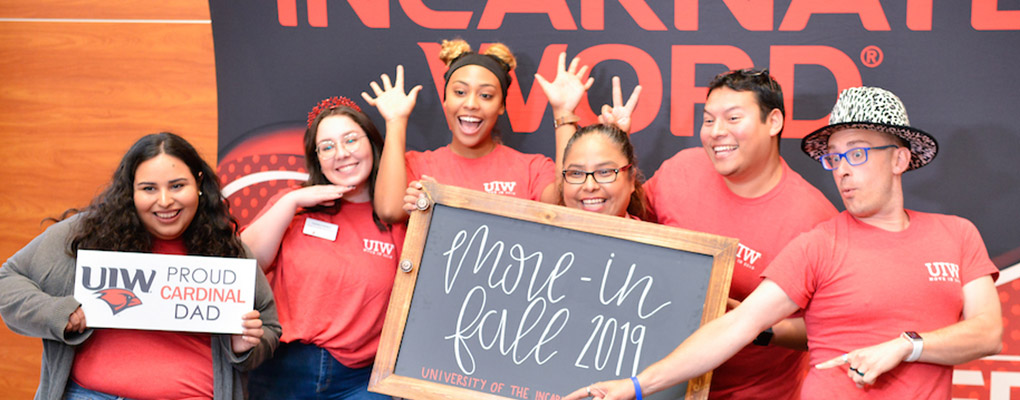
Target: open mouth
(347,168)
(167,215)
(469,125)
(594,204)
(724,149)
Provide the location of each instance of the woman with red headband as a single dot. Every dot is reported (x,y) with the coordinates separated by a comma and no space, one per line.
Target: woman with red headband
(330,261)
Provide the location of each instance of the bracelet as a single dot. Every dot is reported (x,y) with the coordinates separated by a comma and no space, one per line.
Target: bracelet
(637,388)
(568,120)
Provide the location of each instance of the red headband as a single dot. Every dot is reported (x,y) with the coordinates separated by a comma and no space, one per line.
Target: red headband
(329,104)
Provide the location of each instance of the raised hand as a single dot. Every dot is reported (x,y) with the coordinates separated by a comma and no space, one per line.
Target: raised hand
(567,89)
(620,112)
(390,99)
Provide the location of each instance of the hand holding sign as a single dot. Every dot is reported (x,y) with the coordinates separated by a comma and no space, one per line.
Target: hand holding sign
(76,321)
(414,193)
(249,338)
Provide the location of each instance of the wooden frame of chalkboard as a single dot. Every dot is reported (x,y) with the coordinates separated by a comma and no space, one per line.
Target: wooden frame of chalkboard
(480,345)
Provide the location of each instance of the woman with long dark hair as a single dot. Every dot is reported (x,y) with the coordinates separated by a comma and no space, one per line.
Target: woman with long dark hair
(163,199)
(330,260)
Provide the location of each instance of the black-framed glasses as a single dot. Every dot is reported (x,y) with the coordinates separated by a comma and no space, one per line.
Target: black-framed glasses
(326,149)
(601,175)
(854,156)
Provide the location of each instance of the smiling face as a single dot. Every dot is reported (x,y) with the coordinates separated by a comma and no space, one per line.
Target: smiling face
(737,141)
(593,152)
(344,167)
(869,189)
(474,101)
(166,196)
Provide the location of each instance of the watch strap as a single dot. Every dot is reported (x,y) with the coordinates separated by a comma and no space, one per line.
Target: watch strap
(764,338)
(567,120)
(918,344)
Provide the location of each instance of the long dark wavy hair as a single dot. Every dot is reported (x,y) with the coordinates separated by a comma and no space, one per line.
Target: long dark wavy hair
(315,175)
(111,221)
(638,206)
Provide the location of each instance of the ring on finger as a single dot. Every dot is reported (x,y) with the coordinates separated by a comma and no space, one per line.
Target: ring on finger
(859,372)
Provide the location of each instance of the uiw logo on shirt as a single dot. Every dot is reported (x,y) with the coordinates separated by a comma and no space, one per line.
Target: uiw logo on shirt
(500,187)
(747,256)
(379,248)
(943,272)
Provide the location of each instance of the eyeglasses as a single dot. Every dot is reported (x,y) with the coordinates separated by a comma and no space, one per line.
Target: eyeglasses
(327,148)
(854,156)
(601,175)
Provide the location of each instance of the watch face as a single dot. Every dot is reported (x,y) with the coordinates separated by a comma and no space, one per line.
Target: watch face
(912,335)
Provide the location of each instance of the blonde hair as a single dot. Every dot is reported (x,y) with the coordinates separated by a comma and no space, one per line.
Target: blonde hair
(453,49)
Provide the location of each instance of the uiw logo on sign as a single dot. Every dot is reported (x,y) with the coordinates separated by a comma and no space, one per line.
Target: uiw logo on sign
(379,248)
(116,286)
(499,187)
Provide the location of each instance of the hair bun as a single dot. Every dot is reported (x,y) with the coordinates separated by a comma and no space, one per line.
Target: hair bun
(503,53)
(451,49)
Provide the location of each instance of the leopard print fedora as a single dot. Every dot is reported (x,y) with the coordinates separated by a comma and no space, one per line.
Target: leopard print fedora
(873,109)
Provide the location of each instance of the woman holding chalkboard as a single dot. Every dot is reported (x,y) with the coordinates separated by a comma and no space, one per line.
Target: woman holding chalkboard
(600,173)
(163,199)
(331,263)
(474,98)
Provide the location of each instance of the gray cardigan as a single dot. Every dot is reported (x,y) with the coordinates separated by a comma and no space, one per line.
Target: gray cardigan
(36,298)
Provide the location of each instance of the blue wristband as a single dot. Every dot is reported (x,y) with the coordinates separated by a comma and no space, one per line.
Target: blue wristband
(637,388)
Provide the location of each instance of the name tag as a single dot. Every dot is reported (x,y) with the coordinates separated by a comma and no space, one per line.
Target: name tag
(320,229)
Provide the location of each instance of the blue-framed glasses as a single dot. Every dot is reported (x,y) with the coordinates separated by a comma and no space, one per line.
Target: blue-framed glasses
(854,156)
(601,175)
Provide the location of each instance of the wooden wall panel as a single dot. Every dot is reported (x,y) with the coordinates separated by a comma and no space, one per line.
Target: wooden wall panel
(73,97)
(105,9)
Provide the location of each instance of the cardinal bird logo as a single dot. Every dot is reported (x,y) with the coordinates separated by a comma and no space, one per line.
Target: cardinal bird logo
(119,299)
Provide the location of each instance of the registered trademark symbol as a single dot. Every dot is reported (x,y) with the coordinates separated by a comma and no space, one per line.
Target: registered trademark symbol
(872,56)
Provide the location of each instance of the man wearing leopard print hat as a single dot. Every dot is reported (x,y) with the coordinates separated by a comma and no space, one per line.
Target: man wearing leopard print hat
(891,297)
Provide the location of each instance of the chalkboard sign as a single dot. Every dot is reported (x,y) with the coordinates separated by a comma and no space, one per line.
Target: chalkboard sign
(502,298)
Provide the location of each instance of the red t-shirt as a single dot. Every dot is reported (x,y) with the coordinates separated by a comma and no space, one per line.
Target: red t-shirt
(860,286)
(503,171)
(334,294)
(687,192)
(147,364)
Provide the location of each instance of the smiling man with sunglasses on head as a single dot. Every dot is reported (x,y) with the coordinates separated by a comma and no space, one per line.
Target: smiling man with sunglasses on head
(738,185)
(892,297)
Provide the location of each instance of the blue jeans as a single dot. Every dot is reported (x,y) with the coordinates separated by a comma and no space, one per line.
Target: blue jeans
(305,371)
(74,391)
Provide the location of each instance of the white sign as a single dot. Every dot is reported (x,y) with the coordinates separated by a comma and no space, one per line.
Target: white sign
(164,292)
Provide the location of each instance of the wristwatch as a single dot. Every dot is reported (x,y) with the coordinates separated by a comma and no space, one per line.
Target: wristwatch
(764,338)
(918,343)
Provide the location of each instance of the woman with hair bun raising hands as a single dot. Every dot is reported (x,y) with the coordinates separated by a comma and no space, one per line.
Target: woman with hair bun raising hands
(474,98)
